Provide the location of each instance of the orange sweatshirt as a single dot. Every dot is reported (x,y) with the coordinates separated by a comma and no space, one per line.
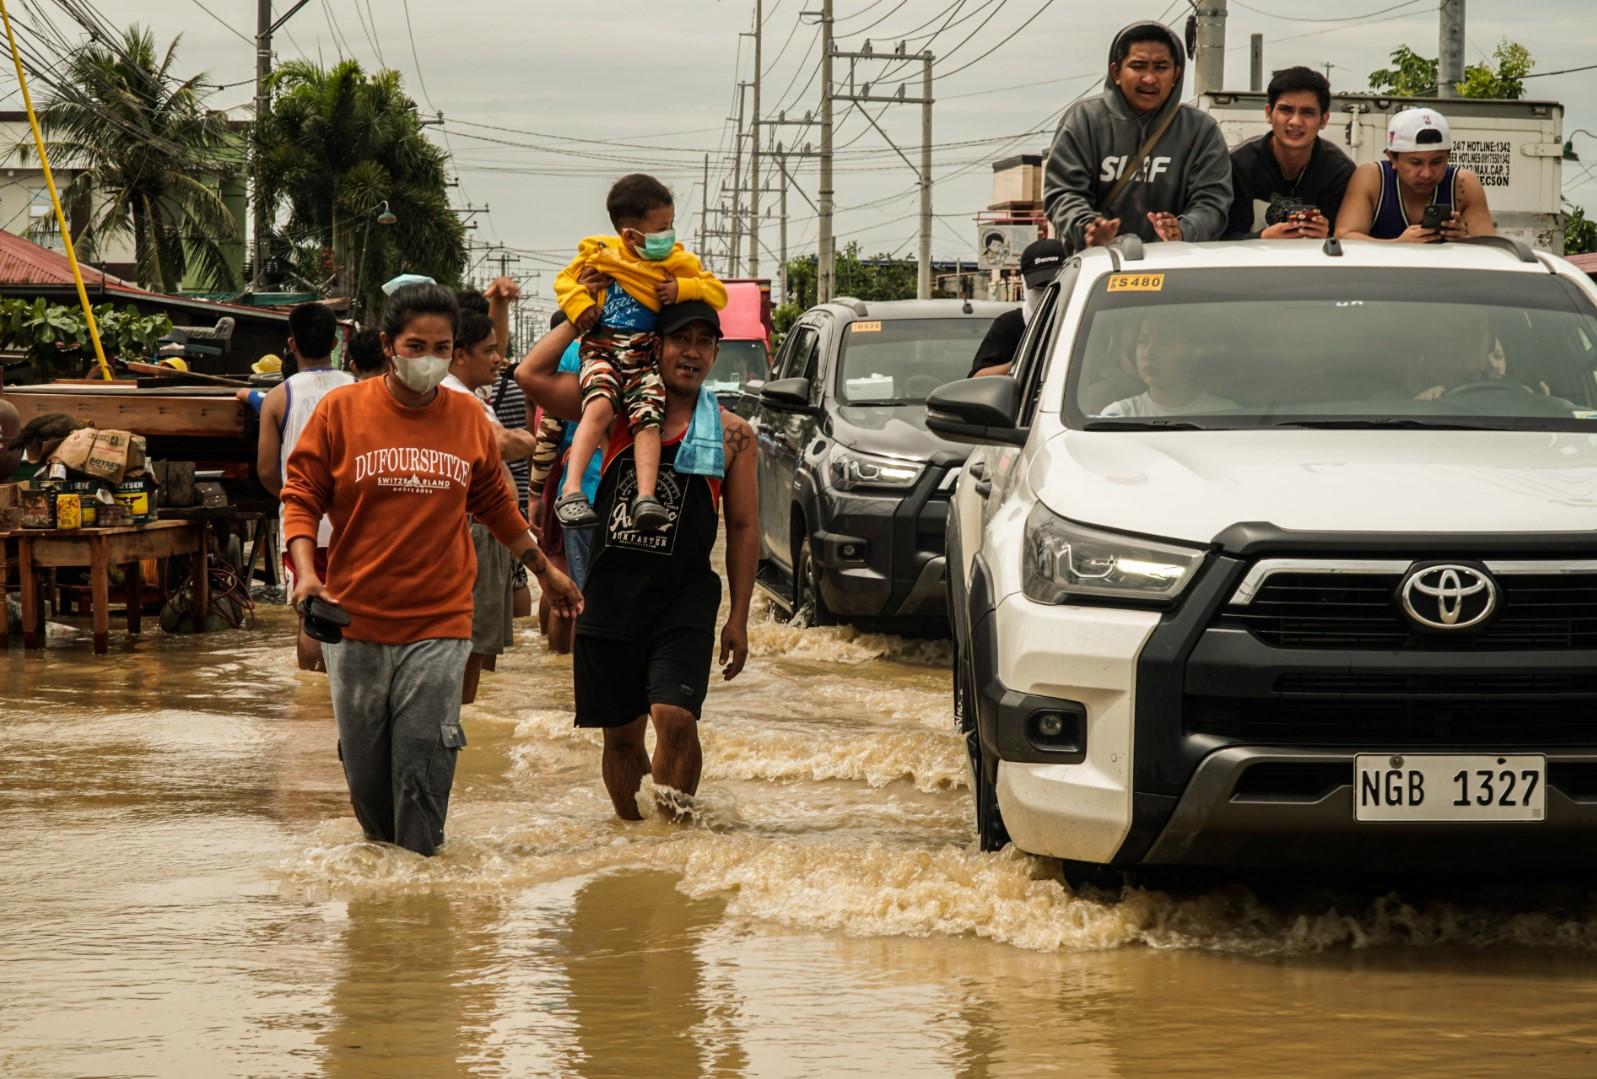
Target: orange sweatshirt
(397,483)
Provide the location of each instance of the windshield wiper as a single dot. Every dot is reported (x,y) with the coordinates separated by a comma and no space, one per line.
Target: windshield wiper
(1143,425)
(1372,422)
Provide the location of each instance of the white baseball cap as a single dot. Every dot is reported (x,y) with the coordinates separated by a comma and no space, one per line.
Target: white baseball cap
(1418,131)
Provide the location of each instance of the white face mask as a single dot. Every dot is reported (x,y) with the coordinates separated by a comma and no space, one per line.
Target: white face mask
(421,373)
(1028,304)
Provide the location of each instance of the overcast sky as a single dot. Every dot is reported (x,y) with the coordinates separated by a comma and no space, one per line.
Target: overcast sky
(660,75)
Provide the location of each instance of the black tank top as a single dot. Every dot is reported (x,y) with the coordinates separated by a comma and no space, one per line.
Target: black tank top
(641,583)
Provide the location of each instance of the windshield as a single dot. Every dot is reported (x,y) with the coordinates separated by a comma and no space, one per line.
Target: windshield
(735,363)
(1354,348)
(901,361)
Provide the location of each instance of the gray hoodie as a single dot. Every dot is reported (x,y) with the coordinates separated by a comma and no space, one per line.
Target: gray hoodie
(1188,172)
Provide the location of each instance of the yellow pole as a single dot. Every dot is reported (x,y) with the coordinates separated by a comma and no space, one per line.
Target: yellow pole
(55,199)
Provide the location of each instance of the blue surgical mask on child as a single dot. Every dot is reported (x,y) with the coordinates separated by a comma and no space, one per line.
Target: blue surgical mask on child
(657,246)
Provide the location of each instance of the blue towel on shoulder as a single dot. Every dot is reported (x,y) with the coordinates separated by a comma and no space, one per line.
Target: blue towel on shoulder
(701,452)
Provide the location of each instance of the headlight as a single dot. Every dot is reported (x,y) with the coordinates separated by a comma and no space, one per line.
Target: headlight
(1064,560)
(851,470)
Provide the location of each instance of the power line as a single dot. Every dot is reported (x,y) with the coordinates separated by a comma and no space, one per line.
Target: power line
(416,58)
(227,25)
(1046,4)
(1561,71)
(1340,18)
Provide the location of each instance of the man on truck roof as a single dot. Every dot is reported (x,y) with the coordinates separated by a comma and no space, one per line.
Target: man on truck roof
(1288,183)
(1134,159)
(1416,195)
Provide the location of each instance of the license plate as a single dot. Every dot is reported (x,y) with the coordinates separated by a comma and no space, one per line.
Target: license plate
(1449,787)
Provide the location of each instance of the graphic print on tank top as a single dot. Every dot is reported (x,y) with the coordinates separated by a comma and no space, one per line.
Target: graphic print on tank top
(619,531)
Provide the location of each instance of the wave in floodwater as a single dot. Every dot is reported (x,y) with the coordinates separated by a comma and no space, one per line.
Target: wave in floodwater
(923,759)
(771,637)
(875,889)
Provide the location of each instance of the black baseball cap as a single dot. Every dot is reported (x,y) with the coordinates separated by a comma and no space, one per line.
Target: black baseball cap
(678,315)
(1040,261)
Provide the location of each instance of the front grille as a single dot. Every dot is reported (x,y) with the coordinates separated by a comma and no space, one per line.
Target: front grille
(1499,724)
(1362,685)
(1360,611)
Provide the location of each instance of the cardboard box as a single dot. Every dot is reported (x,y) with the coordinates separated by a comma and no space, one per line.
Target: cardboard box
(114,455)
(10,507)
(74,450)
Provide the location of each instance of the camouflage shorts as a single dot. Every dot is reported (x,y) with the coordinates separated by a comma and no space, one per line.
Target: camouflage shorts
(621,367)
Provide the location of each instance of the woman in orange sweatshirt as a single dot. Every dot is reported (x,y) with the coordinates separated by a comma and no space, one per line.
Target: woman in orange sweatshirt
(397,465)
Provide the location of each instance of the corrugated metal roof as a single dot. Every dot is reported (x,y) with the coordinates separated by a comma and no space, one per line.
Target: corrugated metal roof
(23,262)
(1586,263)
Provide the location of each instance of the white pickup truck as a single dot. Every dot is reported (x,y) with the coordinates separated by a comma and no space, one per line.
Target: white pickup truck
(1277,553)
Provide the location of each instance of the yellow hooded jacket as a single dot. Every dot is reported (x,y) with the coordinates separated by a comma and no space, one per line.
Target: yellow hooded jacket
(609,256)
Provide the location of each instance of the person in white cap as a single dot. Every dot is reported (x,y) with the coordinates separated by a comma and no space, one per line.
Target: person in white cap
(1416,195)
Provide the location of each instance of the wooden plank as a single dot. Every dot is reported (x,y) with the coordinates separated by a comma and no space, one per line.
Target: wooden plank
(143,412)
(177,376)
(100,604)
(32,600)
(124,545)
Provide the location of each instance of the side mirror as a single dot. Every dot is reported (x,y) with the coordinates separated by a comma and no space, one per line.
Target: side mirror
(789,394)
(980,411)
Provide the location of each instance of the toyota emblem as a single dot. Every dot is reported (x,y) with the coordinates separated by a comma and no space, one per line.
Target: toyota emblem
(1448,596)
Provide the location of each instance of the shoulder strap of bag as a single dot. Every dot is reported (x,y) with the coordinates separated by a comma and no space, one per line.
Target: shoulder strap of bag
(1143,153)
(499,394)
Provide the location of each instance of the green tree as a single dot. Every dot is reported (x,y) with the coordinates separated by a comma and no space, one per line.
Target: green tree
(1413,75)
(149,153)
(337,144)
(879,278)
(1580,232)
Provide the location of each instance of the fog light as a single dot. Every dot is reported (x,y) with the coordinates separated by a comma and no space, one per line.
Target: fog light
(849,550)
(1050,725)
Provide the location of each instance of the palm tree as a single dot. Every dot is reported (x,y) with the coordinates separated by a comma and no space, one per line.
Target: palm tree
(337,145)
(144,148)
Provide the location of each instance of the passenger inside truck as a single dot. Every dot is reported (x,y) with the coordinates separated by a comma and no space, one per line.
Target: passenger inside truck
(1496,350)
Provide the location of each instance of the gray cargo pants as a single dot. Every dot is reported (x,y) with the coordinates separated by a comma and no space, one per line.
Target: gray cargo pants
(398,713)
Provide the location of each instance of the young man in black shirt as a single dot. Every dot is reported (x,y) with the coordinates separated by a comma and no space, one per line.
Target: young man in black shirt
(1288,184)
(645,641)
(1038,265)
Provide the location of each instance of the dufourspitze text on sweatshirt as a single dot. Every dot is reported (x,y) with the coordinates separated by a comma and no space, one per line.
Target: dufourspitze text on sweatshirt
(397,484)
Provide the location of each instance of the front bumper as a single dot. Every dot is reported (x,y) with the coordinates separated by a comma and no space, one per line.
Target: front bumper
(882,555)
(1264,807)
(1205,746)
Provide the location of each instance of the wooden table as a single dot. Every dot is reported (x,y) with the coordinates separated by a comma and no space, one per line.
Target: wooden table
(99,549)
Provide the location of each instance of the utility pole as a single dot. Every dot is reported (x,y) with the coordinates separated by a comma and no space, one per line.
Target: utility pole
(923,172)
(826,263)
(1256,63)
(1450,62)
(754,149)
(264,29)
(781,163)
(1210,60)
(737,186)
(923,266)
(704,212)
(263,71)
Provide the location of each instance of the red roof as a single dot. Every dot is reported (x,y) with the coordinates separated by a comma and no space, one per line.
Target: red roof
(1586,263)
(23,262)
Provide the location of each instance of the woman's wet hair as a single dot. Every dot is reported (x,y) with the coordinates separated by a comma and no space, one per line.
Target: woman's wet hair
(411,302)
(472,329)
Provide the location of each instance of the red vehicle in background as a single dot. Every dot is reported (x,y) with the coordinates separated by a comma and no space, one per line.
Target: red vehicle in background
(746,338)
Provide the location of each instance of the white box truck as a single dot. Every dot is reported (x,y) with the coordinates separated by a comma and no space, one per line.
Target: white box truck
(1515,147)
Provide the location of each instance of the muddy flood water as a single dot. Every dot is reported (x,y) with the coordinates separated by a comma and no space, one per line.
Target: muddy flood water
(184,892)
